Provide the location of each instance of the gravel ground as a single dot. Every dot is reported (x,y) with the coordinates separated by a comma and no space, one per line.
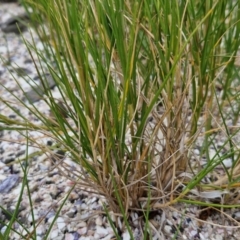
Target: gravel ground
(81,216)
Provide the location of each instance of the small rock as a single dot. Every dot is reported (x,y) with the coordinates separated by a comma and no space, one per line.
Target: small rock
(54,234)
(69,236)
(99,221)
(38,200)
(9,160)
(44,167)
(34,187)
(135,218)
(2,165)
(1,148)
(82,231)
(126,236)
(101,231)
(12,116)
(15,24)
(72,212)
(76,236)
(227,162)
(112,216)
(49,217)
(82,224)
(53,191)
(212,153)
(196,152)
(37,92)
(4,228)
(236,216)
(73,196)
(61,224)
(92,200)
(21,152)
(168,229)
(35,214)
(49,143)
(9,183)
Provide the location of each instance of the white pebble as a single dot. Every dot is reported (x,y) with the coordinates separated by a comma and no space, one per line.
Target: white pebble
(135,219)
(112,216)
(101,231)
(227,162)
(35,214)
(82,231)
(69,236)
(2,165)
(126,236)
(202,237)
(212,154)
(119,222)
(85,215)
(60,223)
(44,167)
(82,224)
(51,219)
(3,229)
(41,229)
(196,151)
(54,234)
(167,229)
(99,221)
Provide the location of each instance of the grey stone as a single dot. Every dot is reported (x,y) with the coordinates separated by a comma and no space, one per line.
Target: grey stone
(36,93)
(21,72)
(15,24)
(72,213)
(9,183)
(9,159)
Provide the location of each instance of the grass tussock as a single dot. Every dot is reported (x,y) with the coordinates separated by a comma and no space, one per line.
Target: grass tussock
(141,84)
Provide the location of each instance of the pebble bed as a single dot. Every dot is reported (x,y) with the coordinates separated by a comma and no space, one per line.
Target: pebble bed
(82,215)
